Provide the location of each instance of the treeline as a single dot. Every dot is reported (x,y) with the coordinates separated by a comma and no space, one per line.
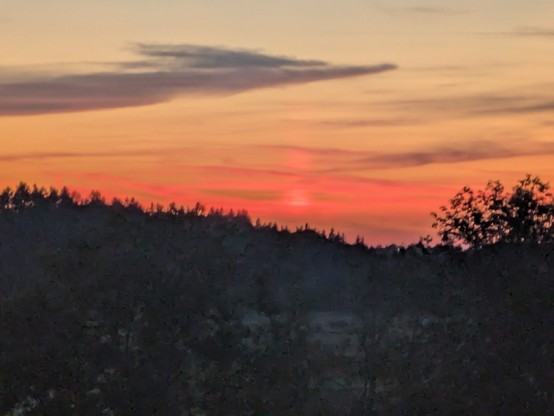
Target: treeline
(117,310)
(24,197)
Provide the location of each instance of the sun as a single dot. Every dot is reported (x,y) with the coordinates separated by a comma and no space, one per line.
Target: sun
(297,197)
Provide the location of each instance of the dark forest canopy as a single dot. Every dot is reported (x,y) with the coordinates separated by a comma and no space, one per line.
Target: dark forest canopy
(24,197)
(116,309)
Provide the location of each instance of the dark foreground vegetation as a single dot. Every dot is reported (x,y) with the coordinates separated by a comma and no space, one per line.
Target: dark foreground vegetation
(116,310)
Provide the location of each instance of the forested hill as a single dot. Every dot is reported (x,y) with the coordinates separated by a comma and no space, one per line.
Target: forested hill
(112,309)
(43,230)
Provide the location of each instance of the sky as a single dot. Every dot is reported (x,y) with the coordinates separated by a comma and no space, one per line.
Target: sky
(362,115)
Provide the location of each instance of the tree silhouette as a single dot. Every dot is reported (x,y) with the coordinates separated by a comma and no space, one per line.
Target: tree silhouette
(489,216)
(113,309)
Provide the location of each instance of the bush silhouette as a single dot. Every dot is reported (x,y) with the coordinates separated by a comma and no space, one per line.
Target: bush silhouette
(489,216)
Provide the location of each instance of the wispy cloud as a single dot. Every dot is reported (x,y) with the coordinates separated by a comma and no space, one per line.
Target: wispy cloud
(441,68)
(533,32)
(429,10)
(536,106)
(529,100)
(322,159)
(194,56)
(422,10)
(339,160)
(522,32)
(164,72)
(45,156)
(358,123)
(481,150)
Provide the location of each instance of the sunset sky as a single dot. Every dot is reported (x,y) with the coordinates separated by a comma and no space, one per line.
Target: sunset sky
(365,115)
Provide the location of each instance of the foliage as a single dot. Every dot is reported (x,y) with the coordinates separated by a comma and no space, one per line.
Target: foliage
(117,310)
(490,216)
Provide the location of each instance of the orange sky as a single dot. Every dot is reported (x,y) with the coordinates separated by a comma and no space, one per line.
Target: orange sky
(364,116)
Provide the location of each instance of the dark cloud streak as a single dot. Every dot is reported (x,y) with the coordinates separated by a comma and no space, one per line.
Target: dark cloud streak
(46,156)
(536,107)
(325,160)
(521,32)
(533,32)
(359,123)
(481,151)
(476,151)
(165,73)
(531,101)
(349,160)
(422,10)
(209,57)
(429,10)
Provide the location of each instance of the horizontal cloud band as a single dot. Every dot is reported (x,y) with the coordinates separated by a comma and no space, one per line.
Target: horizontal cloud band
(324,160)
(164,73)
